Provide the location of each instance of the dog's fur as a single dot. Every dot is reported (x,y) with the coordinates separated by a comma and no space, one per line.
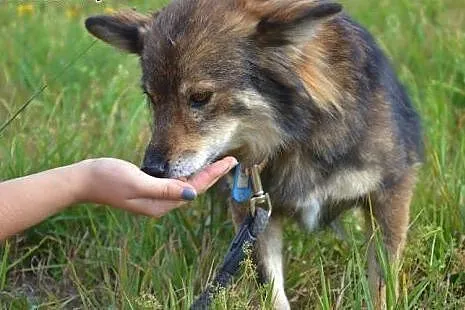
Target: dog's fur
(294,82)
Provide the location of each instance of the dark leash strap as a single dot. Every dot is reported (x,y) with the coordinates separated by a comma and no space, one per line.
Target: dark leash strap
(247,235)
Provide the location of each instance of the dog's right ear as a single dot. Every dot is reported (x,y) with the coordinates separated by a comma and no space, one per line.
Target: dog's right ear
(288,22)
(124,30)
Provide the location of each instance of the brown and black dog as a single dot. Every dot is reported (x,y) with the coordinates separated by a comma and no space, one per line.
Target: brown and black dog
(295,83)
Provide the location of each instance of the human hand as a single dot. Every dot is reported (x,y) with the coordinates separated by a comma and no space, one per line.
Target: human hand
(123,185)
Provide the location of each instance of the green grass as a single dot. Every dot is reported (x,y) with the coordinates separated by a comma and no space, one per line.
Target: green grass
(95,257)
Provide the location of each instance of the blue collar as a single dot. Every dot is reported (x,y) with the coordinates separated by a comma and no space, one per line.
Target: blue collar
(241,191)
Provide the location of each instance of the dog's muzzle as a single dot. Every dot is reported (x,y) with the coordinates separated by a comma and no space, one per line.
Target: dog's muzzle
(155,164)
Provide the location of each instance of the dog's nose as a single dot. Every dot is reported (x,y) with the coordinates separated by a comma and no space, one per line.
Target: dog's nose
(155,163)
(158,171)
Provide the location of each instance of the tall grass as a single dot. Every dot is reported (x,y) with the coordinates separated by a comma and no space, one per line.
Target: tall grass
(92,257)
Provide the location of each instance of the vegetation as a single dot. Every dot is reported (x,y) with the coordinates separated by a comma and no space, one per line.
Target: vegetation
(93,258)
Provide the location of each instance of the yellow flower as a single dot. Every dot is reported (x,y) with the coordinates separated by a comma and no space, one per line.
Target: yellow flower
(109,10)
(25,9)
(72,12)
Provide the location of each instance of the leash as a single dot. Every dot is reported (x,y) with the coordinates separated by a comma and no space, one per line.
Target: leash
(247,187)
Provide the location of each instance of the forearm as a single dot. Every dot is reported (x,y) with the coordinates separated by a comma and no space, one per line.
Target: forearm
(27,201)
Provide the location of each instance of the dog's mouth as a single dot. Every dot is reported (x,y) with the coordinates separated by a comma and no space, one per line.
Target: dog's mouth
(189,167)
(210,160)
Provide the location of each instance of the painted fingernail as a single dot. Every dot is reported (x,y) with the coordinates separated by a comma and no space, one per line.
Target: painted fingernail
(188,194)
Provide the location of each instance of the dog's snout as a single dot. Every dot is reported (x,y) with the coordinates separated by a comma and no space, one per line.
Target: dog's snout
(155,164)
(158,171)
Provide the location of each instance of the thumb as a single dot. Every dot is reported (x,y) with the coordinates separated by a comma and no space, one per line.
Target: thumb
(169,189)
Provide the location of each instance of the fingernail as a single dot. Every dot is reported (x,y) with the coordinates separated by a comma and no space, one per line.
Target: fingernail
(188,194)
(233,164)
(229,167)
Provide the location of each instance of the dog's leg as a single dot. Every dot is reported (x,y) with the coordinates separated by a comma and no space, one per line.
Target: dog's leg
(270,264)
(239,212)
(268,254)
(390,209)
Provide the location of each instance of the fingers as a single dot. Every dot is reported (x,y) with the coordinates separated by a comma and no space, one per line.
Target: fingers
(161,196)
(171,189)
(168,189)
(211,174)
(152,207)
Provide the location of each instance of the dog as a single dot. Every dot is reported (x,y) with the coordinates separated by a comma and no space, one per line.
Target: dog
(294,83)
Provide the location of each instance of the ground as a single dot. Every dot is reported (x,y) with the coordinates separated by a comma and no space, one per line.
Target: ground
(93,257)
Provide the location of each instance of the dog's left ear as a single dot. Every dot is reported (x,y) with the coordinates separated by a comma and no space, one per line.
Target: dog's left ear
(124,30)
(284,22)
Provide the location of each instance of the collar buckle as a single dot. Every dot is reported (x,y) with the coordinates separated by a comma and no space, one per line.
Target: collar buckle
(259,197)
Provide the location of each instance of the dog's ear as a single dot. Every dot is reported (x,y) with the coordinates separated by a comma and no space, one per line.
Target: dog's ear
(283,22)
(124,30)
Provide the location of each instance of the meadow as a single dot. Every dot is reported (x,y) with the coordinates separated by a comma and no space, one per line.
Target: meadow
(94,257)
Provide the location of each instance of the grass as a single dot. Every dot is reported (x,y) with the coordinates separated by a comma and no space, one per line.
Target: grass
(93,257)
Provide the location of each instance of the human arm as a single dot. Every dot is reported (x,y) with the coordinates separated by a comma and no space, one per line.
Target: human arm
(29,200)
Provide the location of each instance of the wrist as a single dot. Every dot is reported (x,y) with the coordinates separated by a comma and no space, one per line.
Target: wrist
(81,180)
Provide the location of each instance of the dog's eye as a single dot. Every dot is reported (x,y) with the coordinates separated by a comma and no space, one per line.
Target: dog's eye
(200,99)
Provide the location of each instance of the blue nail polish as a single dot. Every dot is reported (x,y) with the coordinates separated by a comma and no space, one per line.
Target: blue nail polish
(188,194)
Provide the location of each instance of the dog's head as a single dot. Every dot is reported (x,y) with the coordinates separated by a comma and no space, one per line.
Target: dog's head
(220,76)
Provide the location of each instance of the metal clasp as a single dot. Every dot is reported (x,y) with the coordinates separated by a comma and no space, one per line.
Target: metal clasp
(259,196)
